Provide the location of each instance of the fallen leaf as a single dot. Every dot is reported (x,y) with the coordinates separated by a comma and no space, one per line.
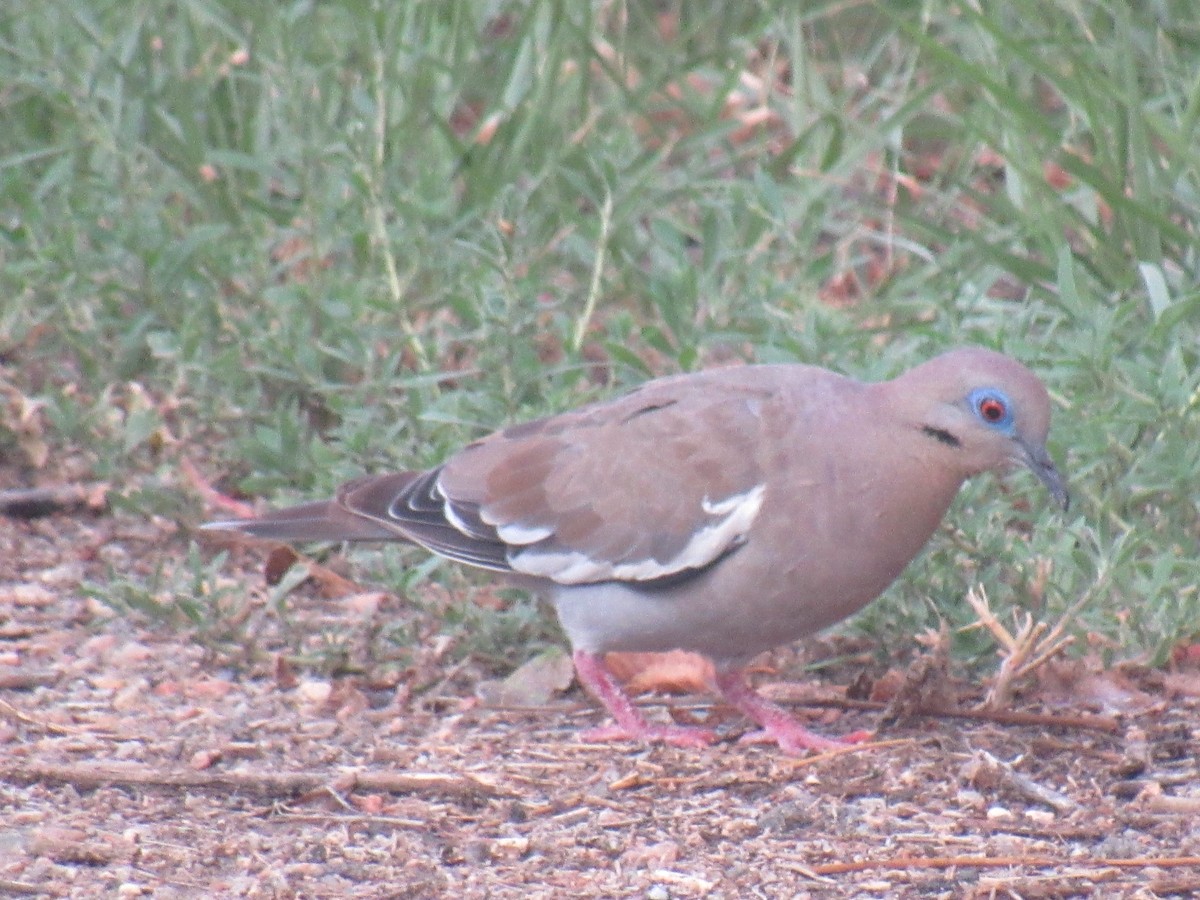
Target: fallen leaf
(676,672)
(24,417)
(364,604)
(533,684)
(1072,683)
(331,585)
(279,560)
(887,686)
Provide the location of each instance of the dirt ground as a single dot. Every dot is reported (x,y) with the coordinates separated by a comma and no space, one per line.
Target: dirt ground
(136,762)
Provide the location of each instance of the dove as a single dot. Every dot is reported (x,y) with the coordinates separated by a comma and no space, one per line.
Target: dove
(724,512)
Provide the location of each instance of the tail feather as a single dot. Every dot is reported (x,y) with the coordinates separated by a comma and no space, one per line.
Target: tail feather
(324,520)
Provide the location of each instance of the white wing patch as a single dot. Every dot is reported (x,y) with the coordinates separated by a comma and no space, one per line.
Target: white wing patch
(454,518)
(512,533)
(519,534)
(732,518)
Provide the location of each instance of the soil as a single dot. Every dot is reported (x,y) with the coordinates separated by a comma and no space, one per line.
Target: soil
(137,760)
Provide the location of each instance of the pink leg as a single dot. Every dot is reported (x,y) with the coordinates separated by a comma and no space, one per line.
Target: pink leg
(777,724)
(631,724)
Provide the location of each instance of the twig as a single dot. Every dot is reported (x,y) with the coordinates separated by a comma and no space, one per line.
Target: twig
(849,748)
(589,306)
(1023,653)
(1172,805)
(213,498)
(13,714)
(25,681)
(91,776)
(359,819)
(33,503)
(20,887)
(803,871)
(1001,717)
(173,880)
(1027,787)
(999,862)
(1081,722)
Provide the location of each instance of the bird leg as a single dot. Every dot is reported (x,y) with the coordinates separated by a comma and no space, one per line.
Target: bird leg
(778,725)
(631,724)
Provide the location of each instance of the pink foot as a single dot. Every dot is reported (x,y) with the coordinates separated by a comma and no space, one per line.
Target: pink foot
(778,726)
(631,724)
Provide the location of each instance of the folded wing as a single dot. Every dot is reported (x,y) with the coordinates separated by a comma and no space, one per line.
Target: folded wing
(648,487)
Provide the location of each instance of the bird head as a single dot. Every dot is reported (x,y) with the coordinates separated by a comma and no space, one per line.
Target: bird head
(984,410)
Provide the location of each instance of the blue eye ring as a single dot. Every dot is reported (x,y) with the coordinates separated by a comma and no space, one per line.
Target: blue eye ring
(992,407)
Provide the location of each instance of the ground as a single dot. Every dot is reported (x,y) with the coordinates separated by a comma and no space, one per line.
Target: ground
(136,762)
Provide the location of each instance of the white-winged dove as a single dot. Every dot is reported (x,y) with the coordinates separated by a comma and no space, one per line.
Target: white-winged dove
(723,512)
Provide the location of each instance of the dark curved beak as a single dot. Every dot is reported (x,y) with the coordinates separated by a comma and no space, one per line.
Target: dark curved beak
(1040,463)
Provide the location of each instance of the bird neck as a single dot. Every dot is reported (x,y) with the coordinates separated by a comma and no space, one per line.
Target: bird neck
(914,474)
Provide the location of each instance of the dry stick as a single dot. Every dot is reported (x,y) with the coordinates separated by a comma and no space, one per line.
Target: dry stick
(173,880)
(998,862)
(862,747)
(1024,652)
(354,819)
(1003,717)
(23,888)
(90,776)
(12,713)
(30,503)
(1027,787)
(213,499)
(25,681)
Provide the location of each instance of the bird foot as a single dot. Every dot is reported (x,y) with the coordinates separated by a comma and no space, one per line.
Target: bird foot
(778,726)
(631,725)
(794,739)
(675,735)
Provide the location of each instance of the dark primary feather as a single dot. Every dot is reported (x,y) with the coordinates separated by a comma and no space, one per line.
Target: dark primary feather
(411,504)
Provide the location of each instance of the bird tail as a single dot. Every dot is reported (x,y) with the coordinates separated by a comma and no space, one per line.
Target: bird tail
(325,520)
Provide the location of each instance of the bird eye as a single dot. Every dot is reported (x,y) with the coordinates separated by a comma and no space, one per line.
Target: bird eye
(992,409)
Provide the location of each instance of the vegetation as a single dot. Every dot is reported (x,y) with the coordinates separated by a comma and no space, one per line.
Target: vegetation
(292,242)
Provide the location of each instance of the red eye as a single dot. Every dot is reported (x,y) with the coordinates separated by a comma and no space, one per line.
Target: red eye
(992,409)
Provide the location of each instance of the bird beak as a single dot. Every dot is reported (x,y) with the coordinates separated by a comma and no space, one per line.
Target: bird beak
(1040,463)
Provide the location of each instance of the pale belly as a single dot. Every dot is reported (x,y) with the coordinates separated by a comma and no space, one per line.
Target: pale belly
(748,603)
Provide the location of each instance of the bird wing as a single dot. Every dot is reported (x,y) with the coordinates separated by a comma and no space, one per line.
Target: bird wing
(645,488)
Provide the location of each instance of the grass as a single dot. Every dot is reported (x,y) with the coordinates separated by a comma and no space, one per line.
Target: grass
(296,242)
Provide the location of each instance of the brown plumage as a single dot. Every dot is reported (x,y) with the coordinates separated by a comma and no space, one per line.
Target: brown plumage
(724,512)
